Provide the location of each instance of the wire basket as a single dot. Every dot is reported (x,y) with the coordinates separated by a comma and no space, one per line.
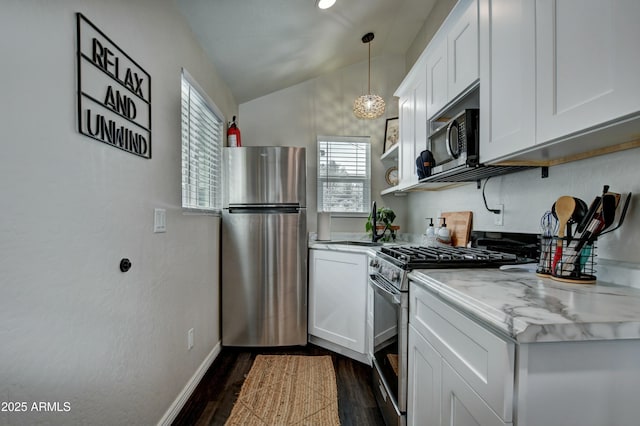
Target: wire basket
(567,260)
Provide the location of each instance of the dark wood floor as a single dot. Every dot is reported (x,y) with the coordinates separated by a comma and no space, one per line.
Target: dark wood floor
(216,393)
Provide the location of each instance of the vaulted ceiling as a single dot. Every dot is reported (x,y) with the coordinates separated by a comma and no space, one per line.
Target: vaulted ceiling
(261,46)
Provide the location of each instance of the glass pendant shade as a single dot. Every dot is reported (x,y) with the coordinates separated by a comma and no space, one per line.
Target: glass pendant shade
(368,106)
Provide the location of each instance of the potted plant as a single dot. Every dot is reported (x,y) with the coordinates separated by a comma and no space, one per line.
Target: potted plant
(384,219)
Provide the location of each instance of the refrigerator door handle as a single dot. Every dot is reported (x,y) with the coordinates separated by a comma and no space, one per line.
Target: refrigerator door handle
(264,209)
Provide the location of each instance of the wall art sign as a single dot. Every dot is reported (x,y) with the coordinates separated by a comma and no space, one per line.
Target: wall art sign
(114,92)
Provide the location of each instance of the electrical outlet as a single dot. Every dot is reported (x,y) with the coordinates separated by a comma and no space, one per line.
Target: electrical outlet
(498,219)
(159,220)
(190,339)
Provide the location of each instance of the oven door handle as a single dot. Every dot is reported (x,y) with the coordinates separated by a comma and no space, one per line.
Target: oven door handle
(393,298)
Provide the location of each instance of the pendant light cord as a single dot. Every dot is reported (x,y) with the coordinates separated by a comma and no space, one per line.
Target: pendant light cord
(369,80)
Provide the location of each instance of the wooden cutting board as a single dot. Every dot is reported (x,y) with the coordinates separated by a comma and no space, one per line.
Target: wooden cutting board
(459,224)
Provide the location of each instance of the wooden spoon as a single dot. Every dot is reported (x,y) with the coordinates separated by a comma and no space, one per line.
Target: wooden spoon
(565,207)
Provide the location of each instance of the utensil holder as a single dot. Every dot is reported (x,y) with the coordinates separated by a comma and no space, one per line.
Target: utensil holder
(560,261)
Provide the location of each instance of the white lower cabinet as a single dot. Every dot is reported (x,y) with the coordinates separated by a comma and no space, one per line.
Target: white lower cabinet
(338,302)
(461,405)
(460,374)
(438,395)
(425,377)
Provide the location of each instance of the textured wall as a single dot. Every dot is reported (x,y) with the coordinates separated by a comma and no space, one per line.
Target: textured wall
(73,327)
(324,106)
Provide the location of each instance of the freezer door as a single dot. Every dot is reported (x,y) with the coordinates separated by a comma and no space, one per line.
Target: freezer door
(264,279)
(265,175)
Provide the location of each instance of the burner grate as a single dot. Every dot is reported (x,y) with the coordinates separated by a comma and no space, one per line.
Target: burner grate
(418,256)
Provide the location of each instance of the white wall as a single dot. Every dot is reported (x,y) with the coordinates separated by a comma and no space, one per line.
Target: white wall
(73,327)
(438,14)
(324,106)
(526,197)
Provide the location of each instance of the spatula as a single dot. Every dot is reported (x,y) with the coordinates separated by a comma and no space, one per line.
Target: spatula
(565,206)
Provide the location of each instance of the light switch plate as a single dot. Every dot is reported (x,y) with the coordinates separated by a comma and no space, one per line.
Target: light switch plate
(190,339)
(159,220)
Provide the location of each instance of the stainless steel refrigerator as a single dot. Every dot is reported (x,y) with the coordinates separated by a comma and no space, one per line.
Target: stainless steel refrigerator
(264,247)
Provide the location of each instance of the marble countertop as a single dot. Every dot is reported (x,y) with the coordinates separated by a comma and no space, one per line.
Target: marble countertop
(336,238)
(533,309)
(333,245)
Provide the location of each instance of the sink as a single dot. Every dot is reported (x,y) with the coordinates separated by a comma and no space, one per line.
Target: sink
(352,243)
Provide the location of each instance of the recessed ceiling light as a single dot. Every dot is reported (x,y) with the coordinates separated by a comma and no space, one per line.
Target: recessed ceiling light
(325,4)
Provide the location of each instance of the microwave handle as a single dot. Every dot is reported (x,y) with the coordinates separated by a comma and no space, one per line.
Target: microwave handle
(450,151)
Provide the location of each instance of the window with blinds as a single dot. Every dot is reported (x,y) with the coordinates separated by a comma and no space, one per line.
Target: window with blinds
(202,138)
(344,174)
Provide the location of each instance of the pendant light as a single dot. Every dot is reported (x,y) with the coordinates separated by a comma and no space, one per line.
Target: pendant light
(368,106)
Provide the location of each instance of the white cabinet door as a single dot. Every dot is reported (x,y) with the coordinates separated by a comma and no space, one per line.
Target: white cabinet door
(370,318)
(462,51)
(407,155)
(413,124)
(338,298)
(437,86)
(425,377)
(461,406)
(588,66)
(420,94)
(507,75)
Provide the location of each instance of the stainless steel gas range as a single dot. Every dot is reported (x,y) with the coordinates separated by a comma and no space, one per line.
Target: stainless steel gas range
(388,278)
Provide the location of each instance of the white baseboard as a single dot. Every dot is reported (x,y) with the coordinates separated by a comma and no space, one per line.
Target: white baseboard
(186,392)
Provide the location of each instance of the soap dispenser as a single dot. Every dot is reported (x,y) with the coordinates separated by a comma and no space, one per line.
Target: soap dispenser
(430,234)
(444,235)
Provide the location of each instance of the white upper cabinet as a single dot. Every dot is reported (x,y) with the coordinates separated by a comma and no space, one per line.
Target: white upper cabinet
(588,65)
(559,78)
(507,77)
(406,175)
(437,85)
(413,123)
(452,58)
(444,71)
(462,48)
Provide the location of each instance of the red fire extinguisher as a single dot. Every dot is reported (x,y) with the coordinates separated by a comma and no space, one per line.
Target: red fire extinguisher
(233,134)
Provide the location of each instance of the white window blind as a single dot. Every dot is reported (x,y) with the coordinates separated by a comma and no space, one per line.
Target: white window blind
(344,174)
(202,137)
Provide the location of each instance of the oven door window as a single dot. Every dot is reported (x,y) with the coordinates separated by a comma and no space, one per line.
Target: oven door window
(386,313)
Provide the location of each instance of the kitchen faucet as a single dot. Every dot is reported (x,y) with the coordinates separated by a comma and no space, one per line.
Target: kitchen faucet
(374,233)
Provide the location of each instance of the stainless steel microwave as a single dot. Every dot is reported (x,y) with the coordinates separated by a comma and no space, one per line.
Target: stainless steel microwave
(455,144)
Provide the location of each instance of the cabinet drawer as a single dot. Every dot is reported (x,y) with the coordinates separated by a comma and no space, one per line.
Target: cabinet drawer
(484,360)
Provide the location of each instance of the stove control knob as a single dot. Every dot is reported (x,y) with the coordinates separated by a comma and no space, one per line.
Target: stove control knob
(395,276)
(374,263)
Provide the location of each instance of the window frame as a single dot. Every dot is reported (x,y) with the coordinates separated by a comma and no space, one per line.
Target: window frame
(216,190)
(368,180)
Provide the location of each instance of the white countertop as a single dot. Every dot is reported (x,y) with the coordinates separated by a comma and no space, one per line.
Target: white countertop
(336,238)
(533,309)
(328,245)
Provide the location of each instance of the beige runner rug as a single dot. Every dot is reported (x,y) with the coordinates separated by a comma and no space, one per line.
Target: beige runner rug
(288,390)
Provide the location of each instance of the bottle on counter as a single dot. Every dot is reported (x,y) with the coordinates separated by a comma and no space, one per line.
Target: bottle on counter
(430,234)
(443,236)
